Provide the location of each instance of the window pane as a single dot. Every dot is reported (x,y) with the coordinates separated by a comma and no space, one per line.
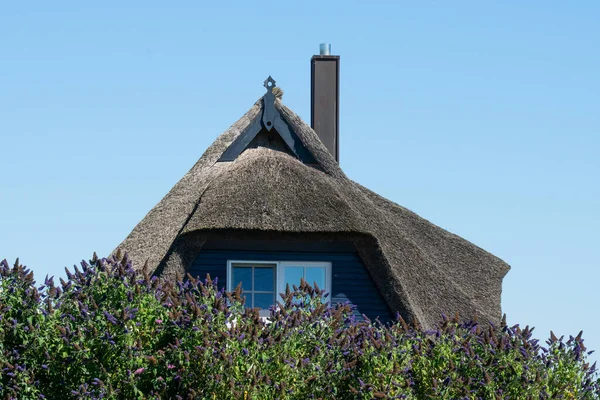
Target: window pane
(244,275)
(264,279)
(264,300)
(315,274)
(292,276)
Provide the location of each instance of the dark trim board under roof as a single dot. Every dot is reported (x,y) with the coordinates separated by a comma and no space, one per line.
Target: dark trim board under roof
(305,243)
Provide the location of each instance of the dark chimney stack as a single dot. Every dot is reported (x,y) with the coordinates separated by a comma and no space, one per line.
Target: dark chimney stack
(325,98)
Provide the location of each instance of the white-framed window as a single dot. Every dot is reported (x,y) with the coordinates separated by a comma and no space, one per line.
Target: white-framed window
(262,281)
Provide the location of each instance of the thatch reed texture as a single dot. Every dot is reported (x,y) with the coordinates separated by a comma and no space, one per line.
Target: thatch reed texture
(421,270)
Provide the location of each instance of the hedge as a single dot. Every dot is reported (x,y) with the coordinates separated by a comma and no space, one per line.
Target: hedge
(109,332)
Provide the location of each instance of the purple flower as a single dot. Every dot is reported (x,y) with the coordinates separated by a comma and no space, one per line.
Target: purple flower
(110,318)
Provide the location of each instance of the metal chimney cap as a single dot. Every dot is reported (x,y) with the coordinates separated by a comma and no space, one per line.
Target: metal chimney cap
(325,49)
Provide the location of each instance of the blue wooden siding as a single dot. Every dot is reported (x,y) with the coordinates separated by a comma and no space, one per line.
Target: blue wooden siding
(350,278)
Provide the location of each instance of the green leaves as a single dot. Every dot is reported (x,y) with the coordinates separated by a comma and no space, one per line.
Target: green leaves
(110,332)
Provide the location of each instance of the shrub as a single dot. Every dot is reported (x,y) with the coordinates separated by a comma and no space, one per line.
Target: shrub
(110,332)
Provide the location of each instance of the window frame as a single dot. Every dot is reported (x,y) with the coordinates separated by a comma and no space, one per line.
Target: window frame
(279,275)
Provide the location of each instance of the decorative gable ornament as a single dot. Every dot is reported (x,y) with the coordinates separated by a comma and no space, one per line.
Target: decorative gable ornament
(270,119)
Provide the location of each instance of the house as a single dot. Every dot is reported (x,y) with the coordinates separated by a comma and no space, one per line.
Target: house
(268,204)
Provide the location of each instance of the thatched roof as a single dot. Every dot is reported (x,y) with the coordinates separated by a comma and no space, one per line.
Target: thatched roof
(419,267)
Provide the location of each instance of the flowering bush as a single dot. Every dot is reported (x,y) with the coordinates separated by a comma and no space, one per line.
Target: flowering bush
(110,332)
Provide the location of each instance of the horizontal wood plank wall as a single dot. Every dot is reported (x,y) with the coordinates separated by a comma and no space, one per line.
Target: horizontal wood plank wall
(350,279)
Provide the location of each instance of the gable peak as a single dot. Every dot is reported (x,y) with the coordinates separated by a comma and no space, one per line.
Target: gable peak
(270,120)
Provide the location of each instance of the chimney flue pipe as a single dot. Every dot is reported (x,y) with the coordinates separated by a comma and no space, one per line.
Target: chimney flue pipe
(324,98)
(324,49)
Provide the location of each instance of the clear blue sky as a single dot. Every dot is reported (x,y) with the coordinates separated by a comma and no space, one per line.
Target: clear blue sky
(482,118)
